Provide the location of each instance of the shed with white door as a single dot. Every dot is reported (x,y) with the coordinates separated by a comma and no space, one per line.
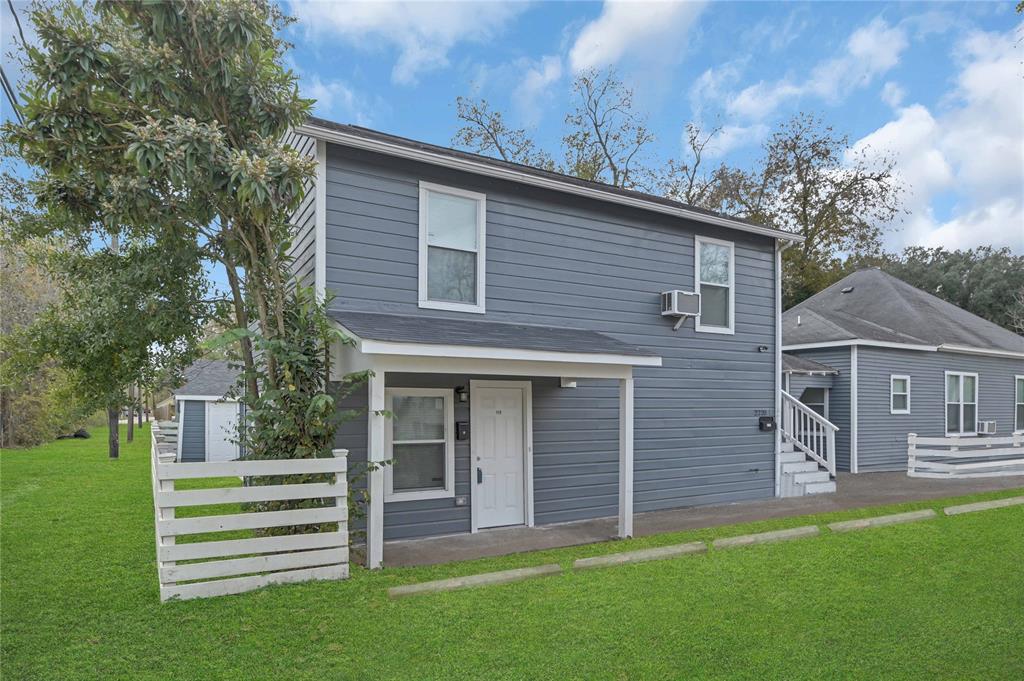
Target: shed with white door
(207,414)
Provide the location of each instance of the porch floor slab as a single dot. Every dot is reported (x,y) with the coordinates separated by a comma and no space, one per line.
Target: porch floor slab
(852,491)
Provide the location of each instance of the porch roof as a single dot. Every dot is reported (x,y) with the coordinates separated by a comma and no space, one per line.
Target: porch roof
(391,333)
(792,364)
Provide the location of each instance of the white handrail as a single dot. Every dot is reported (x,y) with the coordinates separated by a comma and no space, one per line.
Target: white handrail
(809,431)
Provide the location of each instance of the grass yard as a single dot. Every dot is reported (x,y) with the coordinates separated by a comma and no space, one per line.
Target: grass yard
(940,599)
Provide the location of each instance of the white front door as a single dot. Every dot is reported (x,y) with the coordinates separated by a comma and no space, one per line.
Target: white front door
(221,431)
(499,455)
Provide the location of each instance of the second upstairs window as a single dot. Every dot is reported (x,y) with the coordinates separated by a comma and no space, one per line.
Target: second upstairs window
(715,274)
(451,249)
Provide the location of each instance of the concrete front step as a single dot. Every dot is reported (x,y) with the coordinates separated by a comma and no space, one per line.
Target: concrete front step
(820,487)
(805,478)
(800,467)
(792,457)
(787,447)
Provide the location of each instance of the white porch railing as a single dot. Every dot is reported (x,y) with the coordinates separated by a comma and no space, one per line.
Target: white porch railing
(228,566)
(809,431)
(964,457)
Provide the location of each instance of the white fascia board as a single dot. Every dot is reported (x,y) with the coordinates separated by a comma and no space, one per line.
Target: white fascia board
(478,168)
(373,347)
(205,398)
(858,342)
(980,351)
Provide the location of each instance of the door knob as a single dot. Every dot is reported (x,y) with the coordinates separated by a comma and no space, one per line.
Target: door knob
(479,475)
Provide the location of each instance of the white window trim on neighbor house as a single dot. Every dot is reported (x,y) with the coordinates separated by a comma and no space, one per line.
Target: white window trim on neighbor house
(945,402)
(697,242)
(449,446)
(481,241)
(1018,426)
(893,393)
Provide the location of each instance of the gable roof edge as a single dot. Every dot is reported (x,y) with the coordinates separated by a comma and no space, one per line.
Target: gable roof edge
(524,177)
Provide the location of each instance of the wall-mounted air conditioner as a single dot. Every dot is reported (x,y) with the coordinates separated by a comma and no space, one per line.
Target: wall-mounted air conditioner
(986,427)
(680,304)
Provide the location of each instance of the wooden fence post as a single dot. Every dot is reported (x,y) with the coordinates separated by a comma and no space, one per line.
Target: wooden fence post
(911,452)
(341,480)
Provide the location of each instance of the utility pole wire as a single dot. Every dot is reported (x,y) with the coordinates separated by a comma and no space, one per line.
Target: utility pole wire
(18,22)
(8,90)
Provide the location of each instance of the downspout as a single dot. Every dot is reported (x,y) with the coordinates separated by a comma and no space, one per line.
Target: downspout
(780,246)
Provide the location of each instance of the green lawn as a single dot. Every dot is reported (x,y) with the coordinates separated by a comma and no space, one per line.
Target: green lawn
(941,599)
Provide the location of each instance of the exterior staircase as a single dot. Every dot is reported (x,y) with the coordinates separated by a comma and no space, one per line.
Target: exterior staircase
(802,476)
(807,454)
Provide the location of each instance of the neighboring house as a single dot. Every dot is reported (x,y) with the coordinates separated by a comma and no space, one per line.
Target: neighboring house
(207,420)
(523,371)
(902,361)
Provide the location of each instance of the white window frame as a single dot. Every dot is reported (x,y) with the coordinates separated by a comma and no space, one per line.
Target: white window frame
(825,398)
(946,402)
(893,393)
(449,445)
(697,242)
(1017,427)
(481,242)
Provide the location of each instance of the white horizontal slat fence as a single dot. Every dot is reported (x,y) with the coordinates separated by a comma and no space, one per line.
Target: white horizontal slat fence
(229,566)
(964,457)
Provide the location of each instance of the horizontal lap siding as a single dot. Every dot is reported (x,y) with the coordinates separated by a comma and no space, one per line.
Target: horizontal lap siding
(303,220)
(193,430)
(558,260)
(838,396)
(883,436)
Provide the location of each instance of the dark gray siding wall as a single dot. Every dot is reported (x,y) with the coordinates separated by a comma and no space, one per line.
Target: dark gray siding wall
(882,437)
(554,259)
(303,248)
(838,396)
(192,419)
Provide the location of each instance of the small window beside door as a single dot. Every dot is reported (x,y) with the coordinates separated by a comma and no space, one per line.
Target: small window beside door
(452,248)
(1018,404)
(961,403)
(816,399)
(420,444)
(714,267)
(899,394)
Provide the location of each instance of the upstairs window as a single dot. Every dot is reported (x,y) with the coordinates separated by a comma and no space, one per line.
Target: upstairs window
(452,240)
(899,394)
(961,403)
(1018,389)
(715,274)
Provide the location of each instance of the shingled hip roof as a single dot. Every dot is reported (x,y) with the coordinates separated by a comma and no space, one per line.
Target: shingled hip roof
(872,306)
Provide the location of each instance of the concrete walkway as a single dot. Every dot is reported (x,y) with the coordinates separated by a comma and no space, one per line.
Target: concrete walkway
(853,491)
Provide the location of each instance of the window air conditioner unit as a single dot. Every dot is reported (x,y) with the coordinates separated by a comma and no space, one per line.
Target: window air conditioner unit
(986,427)
(680,304)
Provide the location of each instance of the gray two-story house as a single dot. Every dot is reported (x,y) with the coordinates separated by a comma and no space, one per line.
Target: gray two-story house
(526,368)
(881,359)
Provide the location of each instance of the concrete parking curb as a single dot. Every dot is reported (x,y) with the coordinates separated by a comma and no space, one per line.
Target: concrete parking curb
(766,537)
(469,581)
(983,505)
(642,556)
(881,521)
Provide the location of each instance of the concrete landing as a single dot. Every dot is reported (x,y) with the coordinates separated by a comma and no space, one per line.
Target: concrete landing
(853,491)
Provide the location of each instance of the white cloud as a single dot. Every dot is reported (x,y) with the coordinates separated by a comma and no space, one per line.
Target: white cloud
(869,52)
(422,32)
(893,94)
(712,86)
(336,100)
(732,137)
(970,154)
(634,27)
(535,86)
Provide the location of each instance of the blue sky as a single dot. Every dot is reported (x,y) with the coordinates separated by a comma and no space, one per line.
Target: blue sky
(940,87)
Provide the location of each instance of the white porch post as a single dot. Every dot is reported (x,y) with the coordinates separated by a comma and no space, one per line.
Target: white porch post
(375,480)
(625,457)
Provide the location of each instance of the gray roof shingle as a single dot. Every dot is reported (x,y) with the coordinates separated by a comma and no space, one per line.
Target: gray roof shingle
(446,331)
(879,307)
(208,377)
(793,364)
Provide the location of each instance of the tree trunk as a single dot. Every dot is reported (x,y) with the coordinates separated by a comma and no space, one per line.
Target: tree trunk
(131,414)
(113,439)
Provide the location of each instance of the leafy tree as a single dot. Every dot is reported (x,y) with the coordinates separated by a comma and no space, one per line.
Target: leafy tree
(486,132)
